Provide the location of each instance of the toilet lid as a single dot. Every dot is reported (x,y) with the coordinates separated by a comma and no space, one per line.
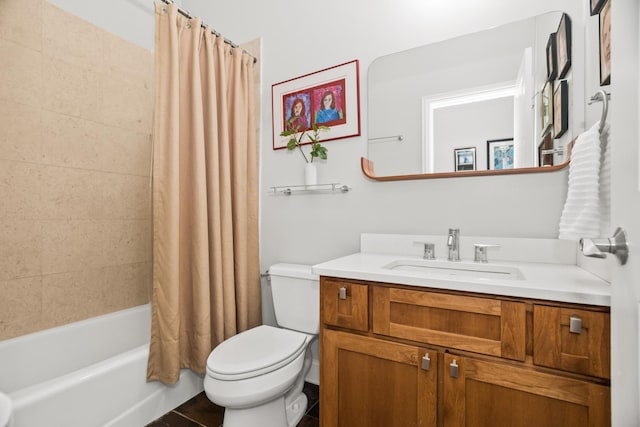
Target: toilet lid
(255,352)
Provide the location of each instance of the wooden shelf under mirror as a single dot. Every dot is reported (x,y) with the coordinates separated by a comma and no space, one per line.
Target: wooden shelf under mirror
(368,169)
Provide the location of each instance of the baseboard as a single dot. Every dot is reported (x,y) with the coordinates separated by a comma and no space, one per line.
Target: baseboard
(313,376)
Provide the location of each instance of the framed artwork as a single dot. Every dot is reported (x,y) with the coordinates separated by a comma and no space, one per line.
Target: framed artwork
(329,97)
(552,61)
(560,109)
(500,154)
(563,46)
(546,107)
(465,159)
(596,6)
(546,144)
(605,43)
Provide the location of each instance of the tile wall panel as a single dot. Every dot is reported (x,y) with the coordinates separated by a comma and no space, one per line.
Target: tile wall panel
(75,149)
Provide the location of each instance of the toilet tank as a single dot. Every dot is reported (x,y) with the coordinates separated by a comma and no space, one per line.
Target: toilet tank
(296,297)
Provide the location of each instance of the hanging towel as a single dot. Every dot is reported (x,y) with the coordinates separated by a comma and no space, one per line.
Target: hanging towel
(581,213)
(605,183)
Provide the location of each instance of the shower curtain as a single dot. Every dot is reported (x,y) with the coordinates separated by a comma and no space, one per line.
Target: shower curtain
(206,277)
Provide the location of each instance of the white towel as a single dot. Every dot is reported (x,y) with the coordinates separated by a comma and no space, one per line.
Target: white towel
(581,215)
(605,183)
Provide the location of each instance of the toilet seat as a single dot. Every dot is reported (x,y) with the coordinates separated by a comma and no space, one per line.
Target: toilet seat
(255,352)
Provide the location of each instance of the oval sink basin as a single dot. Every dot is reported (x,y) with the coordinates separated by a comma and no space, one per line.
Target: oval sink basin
(5,409)
(455,270)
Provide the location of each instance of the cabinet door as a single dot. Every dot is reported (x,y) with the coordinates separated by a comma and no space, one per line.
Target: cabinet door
(494,394)
(368,382)
(482,325)
(344,304)
(572,340)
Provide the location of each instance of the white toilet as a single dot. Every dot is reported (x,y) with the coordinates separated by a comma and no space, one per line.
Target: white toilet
(258,375)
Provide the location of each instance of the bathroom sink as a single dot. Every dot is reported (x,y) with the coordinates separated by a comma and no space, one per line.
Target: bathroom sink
(455,270)
(5,409)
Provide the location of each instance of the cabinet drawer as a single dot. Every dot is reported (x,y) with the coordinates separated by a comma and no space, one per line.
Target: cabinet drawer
(344,304)
(482,325)
(583,349)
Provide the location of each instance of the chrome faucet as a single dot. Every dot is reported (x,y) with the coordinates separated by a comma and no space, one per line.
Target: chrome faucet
(453,243)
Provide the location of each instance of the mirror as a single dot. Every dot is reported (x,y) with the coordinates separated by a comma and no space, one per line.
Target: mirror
(471,105)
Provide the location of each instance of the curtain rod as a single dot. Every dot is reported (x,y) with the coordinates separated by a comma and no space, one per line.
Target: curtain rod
(217,34)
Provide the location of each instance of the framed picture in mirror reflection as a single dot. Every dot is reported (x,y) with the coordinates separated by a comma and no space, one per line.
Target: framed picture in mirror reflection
(552,67)
(546,107)
(596,6)
(560,109)
(563,46)
(605,44)
(465,159)
(500,154)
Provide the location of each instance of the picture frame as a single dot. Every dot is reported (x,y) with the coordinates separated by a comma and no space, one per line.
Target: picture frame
(563,46)
(500,154)
(596,6)
(297,104)
(546,107)
(560,109)
(464,159)
(546,144)
(552,58)
(605,43)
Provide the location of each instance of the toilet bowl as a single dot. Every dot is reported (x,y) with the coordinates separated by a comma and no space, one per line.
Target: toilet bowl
(5,410)
(258,375)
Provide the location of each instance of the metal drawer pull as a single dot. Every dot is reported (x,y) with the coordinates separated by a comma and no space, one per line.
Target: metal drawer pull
(342,293)
(575,324)
(453,369)
(426,362)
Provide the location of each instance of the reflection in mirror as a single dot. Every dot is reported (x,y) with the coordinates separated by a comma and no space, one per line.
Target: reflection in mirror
(426,103)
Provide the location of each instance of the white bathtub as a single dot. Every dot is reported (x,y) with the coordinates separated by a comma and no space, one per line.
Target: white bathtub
(89,373)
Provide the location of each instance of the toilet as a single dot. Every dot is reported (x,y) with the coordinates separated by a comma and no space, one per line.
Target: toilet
(258,375)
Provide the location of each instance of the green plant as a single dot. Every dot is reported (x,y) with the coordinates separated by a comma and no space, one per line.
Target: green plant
(295,141)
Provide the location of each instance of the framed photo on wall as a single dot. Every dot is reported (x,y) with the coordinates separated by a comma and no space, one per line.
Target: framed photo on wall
(552,61)
(465,159)
(329,97)
(546,144)
(596,6)
(563,46)
(500,154)
(560,109)
(546,107)
(605,43)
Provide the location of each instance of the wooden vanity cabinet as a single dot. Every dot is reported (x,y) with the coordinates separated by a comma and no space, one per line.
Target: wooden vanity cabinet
(394,355)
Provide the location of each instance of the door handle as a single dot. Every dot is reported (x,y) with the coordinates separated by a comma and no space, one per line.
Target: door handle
(598,248)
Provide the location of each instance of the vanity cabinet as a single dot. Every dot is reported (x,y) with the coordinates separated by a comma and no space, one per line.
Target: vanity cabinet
(396,355)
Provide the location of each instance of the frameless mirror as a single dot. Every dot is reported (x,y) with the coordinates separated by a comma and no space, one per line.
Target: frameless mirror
(474,104)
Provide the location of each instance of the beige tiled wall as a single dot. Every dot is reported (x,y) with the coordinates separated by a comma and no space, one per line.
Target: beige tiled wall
(75,121)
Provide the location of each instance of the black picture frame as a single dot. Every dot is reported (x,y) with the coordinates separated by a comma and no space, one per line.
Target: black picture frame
(552,60)
(464,159)
(560,109)
(546,107)
(596,6)
(500,154)
(604,19)
(563,46)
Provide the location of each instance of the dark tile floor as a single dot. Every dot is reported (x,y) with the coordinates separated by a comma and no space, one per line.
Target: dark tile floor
(201,412)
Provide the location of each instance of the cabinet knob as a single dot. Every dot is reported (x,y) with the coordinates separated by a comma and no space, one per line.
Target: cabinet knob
(342,293)
(453,369)
(426,362)
(575,324)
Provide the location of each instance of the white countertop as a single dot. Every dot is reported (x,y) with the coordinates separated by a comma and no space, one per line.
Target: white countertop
(546,281)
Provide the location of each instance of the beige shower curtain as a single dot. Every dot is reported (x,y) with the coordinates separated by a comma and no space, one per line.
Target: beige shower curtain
(206,278)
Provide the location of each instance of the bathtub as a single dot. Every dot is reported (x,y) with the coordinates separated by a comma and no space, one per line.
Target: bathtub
(89,373)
